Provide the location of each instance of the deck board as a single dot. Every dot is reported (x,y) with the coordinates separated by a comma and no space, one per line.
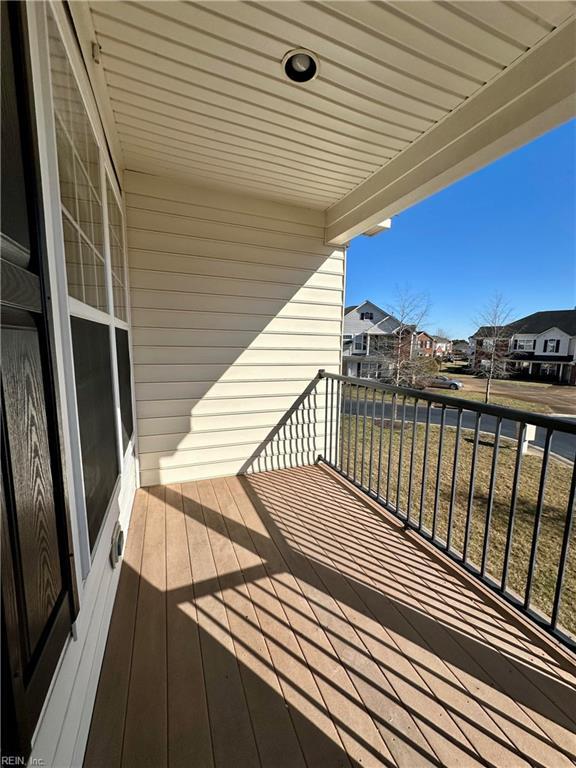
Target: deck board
(280,620)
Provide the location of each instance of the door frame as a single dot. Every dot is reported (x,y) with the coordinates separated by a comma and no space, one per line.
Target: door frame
(26,697)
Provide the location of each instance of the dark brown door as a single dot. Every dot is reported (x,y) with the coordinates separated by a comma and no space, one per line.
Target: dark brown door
(38,604)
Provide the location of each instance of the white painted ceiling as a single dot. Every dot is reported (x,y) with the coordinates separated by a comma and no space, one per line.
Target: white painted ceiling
(197,89)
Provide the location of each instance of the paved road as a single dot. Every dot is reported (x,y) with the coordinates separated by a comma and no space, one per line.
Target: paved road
(563,444)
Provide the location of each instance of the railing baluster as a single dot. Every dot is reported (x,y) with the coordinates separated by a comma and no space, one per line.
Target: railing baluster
(513,498)
(470,504)
(400,455)
(424,467)
(381,445)
(339,388)
(412,454)
(364,435)
(372,426)
(390,445)
(326,419)
(357,408)
(490,504)
(564,551)
(438,472)
(349,437)
(331,420)
(537,519)
(454,478)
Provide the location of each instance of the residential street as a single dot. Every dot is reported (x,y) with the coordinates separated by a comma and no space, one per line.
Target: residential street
(562,444)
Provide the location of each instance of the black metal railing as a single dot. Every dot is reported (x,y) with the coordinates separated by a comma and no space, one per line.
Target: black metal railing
(492,487)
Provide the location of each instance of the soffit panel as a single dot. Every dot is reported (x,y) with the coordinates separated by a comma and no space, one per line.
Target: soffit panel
(197,90)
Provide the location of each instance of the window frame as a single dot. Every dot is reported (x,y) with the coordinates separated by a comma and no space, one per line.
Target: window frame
(360,343)
(64,306)
(554,343)
(524,345)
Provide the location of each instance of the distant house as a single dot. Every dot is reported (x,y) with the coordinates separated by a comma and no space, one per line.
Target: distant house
(538,346)
(442,346)
(424,344)
(482,345)
(460,348)
(370,333)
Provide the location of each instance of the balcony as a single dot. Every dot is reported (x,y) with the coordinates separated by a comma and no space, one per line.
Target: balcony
(299,617)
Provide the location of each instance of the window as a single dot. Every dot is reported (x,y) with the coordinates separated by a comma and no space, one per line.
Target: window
(80,186)
(116,254)
(96,280)
(93,373)
(360,343)
(552,345)
(488,344)
(124,385)
(524,345)
(366,315)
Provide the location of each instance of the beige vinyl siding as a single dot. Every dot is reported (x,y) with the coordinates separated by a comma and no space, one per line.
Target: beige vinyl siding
(236,304)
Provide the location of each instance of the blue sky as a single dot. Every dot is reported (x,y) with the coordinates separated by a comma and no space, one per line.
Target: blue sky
(508,228)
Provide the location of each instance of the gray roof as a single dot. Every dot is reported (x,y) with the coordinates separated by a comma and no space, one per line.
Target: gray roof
(350,308)
(489,331)
(538,322)
(386,325)
(565,319)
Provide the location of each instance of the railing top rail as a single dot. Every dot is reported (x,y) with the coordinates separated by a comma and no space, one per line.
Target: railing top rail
(511,414)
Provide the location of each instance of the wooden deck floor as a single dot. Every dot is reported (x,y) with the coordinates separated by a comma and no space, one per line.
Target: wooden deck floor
(279,620)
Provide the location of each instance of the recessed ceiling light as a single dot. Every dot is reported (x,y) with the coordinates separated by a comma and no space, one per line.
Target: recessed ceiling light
(300,65)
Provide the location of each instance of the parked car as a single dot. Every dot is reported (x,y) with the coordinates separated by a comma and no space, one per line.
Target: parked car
(445,382)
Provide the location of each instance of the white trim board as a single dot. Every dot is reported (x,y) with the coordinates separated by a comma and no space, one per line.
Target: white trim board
(530,97)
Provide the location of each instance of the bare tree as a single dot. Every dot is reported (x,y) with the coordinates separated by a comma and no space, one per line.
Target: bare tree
(494,335)
(410,310)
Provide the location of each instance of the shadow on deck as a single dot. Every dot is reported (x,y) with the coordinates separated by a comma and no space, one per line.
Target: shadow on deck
(279,620)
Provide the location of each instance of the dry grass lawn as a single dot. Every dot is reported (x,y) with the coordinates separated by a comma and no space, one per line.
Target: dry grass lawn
(554,509)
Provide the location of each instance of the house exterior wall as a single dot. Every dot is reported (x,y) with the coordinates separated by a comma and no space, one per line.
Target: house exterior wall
(353,323)
(553,333)
(481,350)
(236,304)
(424,345)
(357,328)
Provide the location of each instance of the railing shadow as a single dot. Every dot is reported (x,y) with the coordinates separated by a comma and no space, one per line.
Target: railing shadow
(275,611)
(294,441)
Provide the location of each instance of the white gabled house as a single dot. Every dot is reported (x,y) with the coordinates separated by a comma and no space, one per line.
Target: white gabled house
(538,346)
(369,334)
(543,345)
(179,185)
